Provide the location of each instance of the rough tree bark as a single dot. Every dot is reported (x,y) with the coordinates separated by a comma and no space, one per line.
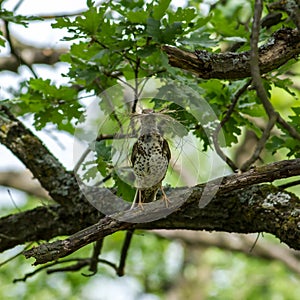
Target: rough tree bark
(282,46)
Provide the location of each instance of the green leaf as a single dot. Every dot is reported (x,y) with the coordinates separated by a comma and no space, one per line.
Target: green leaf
(90,3)
(294,146)
(124,190)
(231,131)
(90,20)
(199,39)
(17,19)
(139,17)
(102,166)
(295,119)
(274,144)
(170,32)
(103,150)
(252,109)
(284,84)
(160,9)
(185,15)
(153,29)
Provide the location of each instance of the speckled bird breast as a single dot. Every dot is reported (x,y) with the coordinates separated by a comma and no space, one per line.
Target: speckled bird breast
(151,161)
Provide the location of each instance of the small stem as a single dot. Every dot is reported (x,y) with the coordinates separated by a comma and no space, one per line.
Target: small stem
(224,120)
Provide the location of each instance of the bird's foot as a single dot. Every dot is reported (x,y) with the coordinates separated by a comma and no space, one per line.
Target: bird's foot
(140,205)
(165,198)
(138,197)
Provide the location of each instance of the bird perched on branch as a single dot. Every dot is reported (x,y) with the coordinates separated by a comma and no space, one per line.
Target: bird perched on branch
(150,159)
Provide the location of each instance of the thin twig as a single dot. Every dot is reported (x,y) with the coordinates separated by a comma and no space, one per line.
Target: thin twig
(136,87)
(143,83)
(14,52)
(45,267)
(81,264)
(94,259)
(73,268)
(255,242)
(81,159)
(254,58)
(105,94)
(13,201)
(124,252)
(222,123)
(261,143)
(16,7)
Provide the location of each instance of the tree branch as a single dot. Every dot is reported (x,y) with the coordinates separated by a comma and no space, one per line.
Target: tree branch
(14,52)
(30,55)
(256,74)
(283,46)
(23,182)
(52,175)
(44,223)
(291,7)
(241,205)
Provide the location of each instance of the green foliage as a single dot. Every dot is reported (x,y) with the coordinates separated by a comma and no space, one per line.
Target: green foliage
(10,16)
(58,105)
(124,190)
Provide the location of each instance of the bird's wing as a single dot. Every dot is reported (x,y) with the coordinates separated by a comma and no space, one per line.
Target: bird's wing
(166,149)
(134,153)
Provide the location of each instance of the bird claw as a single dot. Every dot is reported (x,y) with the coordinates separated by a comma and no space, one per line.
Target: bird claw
(165,198)
(167,201)
(140,203)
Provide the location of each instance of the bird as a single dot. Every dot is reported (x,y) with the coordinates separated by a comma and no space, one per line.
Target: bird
(150,159)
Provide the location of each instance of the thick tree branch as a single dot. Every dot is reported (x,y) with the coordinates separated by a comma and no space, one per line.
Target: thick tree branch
(283,46)
(44,223)
(291,7)
(241,205)
(62,185)
(55,250)
(29,54)
(32,56)
(23,181)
